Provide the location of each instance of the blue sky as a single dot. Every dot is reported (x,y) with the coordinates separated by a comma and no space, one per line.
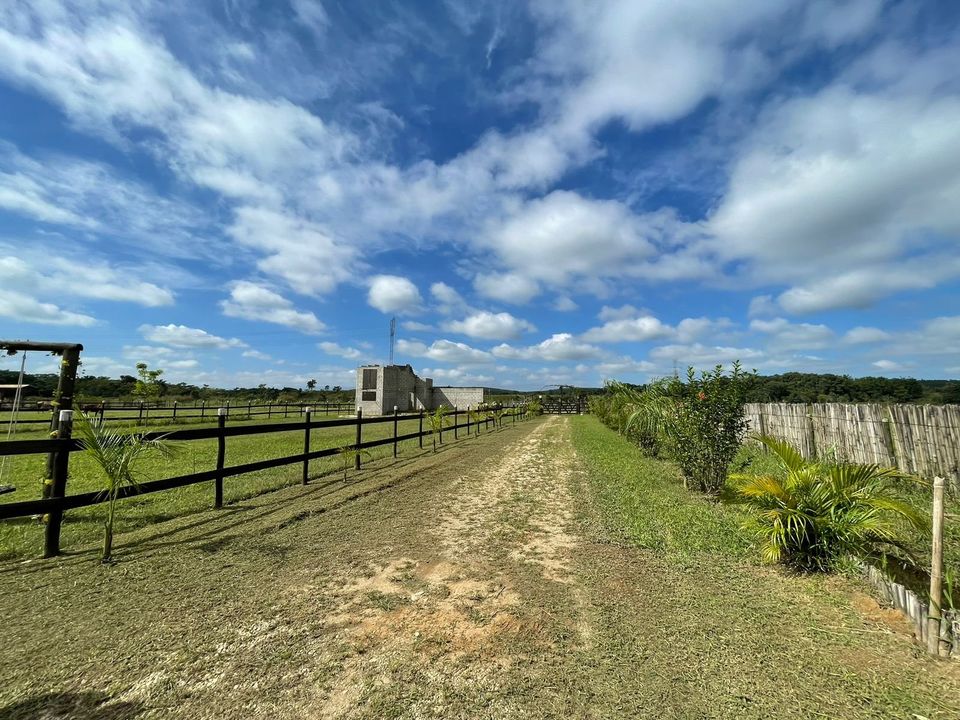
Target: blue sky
(554,192)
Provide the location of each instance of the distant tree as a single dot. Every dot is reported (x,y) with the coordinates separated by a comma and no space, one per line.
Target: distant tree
(148,383)
(311,384)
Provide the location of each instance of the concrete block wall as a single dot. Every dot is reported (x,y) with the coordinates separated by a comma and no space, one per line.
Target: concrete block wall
(375,406)
(399,385)
(458,397)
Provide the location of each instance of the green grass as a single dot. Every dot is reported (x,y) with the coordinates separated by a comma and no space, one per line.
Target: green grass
(646,498)
(23,537)
(733,638)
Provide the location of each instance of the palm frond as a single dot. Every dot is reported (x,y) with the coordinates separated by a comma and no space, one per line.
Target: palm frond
(788,455)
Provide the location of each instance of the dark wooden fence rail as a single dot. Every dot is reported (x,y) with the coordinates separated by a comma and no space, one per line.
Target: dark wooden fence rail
(59,448)
(152,412)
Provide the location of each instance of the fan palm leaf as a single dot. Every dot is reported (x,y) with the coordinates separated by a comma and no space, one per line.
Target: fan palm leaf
(818,512)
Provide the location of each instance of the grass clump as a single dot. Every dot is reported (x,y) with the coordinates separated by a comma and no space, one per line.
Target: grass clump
(643,496)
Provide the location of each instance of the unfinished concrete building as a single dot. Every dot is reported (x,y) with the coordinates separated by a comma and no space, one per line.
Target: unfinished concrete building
(380,388)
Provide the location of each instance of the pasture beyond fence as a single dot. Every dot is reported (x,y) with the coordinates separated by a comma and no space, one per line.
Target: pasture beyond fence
(919,439)
(60,449)
(147,412)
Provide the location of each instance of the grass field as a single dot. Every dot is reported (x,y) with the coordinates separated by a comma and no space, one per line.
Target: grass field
(514,576)
(760,642)
(23,538)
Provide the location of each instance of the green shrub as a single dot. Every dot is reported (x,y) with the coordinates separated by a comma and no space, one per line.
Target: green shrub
(812,515)
(706,424)
(698,421)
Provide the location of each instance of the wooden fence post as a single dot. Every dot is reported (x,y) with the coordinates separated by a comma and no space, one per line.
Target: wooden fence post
(394,430)
(813,435)
(203,408)
(306,447)
(227,413)
(58,489)
(269,410)
(140,414)
(356,459)
(455,413)
(935,617)
(420,436)
(221,455)
(468,420)
(174,410)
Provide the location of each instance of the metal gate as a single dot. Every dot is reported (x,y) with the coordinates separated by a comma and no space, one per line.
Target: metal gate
(564,405)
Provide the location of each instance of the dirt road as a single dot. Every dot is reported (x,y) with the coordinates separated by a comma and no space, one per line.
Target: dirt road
(475,583)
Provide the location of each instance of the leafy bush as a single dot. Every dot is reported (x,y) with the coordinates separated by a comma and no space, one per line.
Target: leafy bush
(706,424)
(615,409)
(699,422)
(813,514)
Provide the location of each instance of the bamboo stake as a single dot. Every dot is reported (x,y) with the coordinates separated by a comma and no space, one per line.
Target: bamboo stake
(936,571)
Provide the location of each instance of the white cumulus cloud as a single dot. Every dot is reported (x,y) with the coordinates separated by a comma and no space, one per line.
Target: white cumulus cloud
(490,326)
(393,294)
(253,301)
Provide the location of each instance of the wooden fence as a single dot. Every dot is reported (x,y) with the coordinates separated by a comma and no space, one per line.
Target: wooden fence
(145,412)
(59,450)
(919,439)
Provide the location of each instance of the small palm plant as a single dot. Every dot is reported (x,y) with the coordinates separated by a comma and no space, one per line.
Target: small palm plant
(474,416)
(497,414)
(438,418)
(349,454)
(814,514)
(118,457)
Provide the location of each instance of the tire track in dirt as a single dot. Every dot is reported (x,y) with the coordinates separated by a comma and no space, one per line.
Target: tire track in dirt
(459,613)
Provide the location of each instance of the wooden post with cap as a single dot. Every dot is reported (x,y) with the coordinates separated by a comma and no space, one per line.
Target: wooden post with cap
(221,456)
(306,447)
(356,458)
(394,430)
(58,488)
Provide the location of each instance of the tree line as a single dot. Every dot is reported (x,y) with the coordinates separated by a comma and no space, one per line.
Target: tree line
(787,387)
(43,385)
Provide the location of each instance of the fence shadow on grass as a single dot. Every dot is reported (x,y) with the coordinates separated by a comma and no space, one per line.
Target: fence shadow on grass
(314,491)
(214,539)
(77,706)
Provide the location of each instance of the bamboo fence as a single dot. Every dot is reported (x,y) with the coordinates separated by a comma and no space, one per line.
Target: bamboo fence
(920,439)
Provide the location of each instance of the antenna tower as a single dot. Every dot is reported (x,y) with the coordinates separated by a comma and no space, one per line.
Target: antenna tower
(393,337)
